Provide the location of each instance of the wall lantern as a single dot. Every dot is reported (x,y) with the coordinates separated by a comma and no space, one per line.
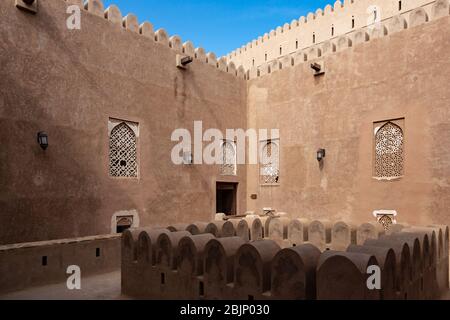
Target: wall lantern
(183,61)
(318,68)
(320,155)
(42,139)
(27,5)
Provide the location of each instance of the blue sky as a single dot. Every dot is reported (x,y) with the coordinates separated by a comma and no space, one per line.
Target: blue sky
(218,26)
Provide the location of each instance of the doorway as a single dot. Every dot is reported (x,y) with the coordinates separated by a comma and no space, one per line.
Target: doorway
(226,198)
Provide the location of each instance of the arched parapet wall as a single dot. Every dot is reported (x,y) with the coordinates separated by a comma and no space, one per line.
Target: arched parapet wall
(255,227)
(417,17)
(360,36)
(319,233)
(293,273)
(129,246)
(387,262)
(161,37)
(224,229)
(419,251)
(114,15)
(278,229)
(342,235)
(191,254)
(213,228)
(403,258)
(343,276)
(197,228)
(252,268)
(328,47)
(189,49)
(222,64)
(441,8)
(176,44)
(241,72)
(147,244)
(95,7)
(298,231)
(167,249)
(146,29)
(378,32)
(368,230)
(211,59)
(396,24)
(231,68)
(443,257)
(130,22)
(333,22)
(242,229)
(343,43)
(219,255)
(200,54)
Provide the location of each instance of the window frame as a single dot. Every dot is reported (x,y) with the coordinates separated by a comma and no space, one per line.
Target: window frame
(377,125)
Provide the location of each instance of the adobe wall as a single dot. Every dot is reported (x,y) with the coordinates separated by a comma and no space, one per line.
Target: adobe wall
(69,83)
(41,263)
(401,75)
(316,27)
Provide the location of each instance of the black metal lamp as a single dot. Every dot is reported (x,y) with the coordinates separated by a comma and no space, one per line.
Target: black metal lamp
(42,139)
(30,6)
(320,154)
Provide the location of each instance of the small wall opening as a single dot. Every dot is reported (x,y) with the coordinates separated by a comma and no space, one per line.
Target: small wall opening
(123,223)
(44,261)
(251,298)
(399,6)
(163,278)
(97,252)
(201,289)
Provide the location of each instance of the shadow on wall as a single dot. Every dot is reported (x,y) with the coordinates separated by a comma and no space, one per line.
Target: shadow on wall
(55,193)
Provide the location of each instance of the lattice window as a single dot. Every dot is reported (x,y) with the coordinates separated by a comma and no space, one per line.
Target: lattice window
(389,151)
(270,163)
(228,166)
(123,152)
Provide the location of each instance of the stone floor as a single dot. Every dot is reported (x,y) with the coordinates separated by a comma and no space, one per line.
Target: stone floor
(100,287)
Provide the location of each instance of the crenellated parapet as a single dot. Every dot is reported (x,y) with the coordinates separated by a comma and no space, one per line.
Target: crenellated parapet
(277,257)
(350,19)
(131,23)
(397,23)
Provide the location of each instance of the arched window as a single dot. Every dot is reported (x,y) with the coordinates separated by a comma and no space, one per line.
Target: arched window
(123,152)
(228,158)
(389,151)
(270,163)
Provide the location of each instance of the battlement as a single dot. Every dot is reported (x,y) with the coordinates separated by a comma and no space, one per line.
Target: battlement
(329,260)
(408,19)
(130,22)
(330,24)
